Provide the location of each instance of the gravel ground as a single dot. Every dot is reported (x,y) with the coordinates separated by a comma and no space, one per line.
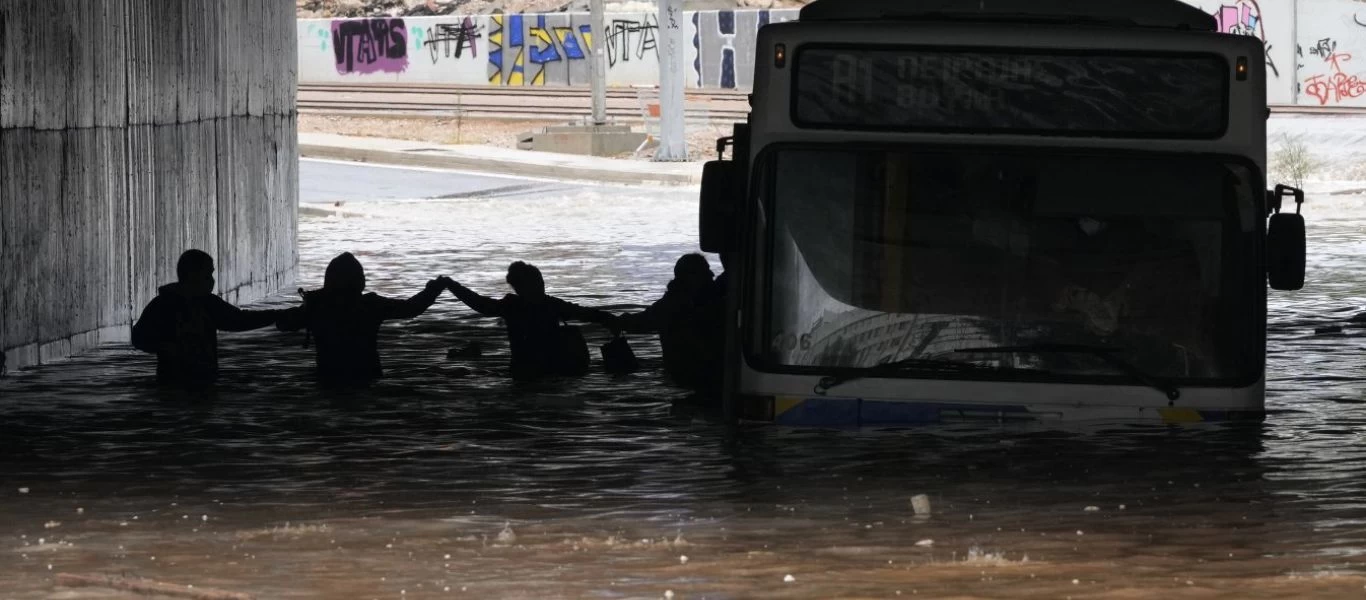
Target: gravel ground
(481,132)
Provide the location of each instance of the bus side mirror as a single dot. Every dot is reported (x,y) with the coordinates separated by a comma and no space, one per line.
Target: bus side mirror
(1285,242)
(717,214)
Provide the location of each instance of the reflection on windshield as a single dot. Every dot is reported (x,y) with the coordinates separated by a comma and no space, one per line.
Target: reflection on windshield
(882,256)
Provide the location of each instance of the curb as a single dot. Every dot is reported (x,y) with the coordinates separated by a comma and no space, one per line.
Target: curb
(493,165)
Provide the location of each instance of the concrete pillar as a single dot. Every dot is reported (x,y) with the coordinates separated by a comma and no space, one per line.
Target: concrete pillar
(131,130)
(599,62)
(673,141)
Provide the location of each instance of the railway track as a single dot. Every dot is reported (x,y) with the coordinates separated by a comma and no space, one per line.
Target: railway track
(531,103)
(556,103)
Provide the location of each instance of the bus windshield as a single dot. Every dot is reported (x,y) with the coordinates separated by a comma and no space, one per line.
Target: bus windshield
(883,255)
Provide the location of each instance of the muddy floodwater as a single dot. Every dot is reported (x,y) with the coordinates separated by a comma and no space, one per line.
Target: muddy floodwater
(447,481)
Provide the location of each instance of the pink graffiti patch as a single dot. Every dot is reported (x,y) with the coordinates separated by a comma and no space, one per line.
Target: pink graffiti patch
(370,45)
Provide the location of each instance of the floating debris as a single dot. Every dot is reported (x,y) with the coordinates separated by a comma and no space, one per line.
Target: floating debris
(683,560)
(1092,509)
(920,503)
(789,579)
(52,525)
(23,490)
(507,536)
(925,543)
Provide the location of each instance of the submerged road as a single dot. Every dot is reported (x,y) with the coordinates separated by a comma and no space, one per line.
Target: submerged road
(445,480)
(322,181)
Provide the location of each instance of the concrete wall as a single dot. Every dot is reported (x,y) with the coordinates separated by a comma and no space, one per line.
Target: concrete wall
(1316,49)
(131,130)
(527,50)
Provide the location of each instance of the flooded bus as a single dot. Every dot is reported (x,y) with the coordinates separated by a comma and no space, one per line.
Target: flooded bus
(983,209)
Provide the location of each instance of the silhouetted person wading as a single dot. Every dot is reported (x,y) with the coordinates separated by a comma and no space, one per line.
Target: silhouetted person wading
(683,319)
(344,321)
(181,324)
(541,345)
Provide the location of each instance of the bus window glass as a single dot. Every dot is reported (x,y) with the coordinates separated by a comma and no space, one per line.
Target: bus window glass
(1125,95)
(884,255)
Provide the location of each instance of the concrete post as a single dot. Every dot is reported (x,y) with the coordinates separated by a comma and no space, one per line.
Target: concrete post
(598,66)
(673,142)
(1295,40)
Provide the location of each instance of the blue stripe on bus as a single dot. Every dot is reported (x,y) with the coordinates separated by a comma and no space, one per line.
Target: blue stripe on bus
(845,412)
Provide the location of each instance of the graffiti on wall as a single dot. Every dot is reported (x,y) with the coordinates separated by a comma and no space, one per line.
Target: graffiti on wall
(1244,17)
(539,49)
(632,39)
(370,45)
(725,42)
(1338,83)
(554,49)
(316,34)
(449,40)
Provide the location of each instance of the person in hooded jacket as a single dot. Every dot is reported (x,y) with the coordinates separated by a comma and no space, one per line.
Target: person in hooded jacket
(344,321)
(181,324)
(539,343)
(682,318)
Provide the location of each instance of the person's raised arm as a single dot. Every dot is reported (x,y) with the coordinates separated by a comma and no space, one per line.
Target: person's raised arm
(418,304)
(291,319)
(481,304)
(572,312)
(647,321)
(227,317)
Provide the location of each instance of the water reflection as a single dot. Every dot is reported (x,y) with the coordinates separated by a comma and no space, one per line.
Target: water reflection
(275,488)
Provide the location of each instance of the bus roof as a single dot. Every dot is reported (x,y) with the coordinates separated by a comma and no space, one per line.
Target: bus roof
(1167,14)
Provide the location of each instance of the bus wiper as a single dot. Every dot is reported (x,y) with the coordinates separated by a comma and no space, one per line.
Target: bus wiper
(896,366)
(1101,352)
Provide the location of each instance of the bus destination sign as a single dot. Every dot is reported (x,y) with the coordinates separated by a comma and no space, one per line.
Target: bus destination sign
(1035,92)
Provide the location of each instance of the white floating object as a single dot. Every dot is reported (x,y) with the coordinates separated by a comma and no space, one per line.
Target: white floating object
(23,490)
(51,525)
(507,536)
(1092,509)
(668,595)
(80,511)
(789,579)
(920,503)
(925,543)
(1122,507)
(1079,532)
(1076,582)
(683,559)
